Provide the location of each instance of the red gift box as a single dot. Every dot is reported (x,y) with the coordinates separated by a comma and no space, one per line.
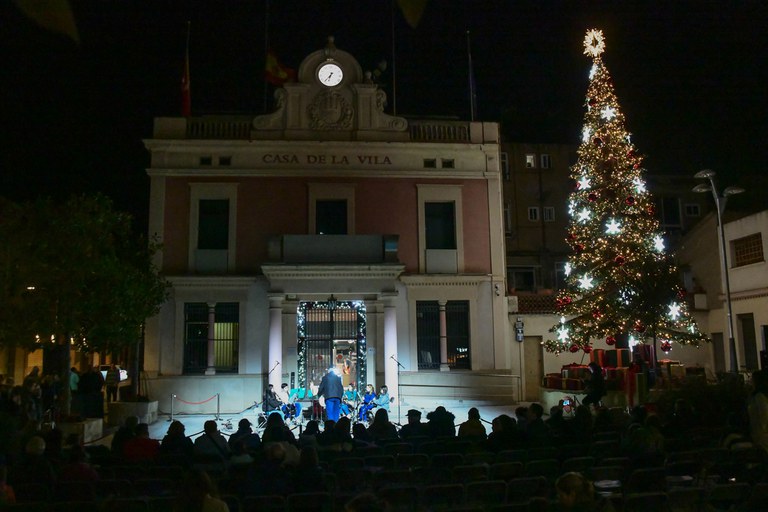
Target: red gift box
(597,356)
(622,357)
(573,384)
(553,381)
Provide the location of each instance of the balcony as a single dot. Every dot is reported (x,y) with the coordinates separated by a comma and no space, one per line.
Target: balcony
(333,249)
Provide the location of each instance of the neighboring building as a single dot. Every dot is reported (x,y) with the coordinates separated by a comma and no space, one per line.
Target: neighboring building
(746,247)
(327,234)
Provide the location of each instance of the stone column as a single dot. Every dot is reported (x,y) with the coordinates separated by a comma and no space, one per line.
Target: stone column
(275,353)
(211,369)
(443,338)
(391,378)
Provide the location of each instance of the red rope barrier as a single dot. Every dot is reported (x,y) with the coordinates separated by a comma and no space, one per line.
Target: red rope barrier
(194,403)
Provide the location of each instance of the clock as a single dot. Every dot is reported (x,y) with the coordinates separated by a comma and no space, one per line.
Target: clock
(330,74)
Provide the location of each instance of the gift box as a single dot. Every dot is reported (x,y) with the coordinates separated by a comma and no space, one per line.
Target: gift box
(575,371)
(676,371)
(645,353)
(553,381)
(622,357)
(611,358)
(597,356)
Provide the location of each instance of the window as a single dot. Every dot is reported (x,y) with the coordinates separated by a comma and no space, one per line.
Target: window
(548,214)
(430,163)
(440,224)
(457,333)
(331,217)
(522,278)
(544,161)
(226,344)
(225,161)
(212,227)
(530,161)
(560,275)
(669,212)
(441,228)
(447,163)
(331,209)
(508,218)
(533,213)
(206,161)
(505,166)
(747,250)
(692,210)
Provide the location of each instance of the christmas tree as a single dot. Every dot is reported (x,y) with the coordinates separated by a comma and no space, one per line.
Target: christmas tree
(620,280)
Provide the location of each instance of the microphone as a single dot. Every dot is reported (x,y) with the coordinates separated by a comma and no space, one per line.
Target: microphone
(277,362)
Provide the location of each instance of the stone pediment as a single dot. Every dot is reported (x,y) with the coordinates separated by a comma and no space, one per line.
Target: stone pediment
(332,100)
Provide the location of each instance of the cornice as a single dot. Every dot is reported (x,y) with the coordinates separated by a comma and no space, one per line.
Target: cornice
(432,280)
(219,282)
(334,272)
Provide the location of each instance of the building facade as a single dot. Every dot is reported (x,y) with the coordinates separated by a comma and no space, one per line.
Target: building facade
(326,234)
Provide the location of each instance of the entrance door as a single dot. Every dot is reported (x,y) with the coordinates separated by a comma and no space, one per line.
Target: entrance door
(331,335)
(533,353)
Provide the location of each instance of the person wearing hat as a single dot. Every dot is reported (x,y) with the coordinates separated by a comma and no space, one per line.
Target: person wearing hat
(245,434)
(332,389)
(414,427)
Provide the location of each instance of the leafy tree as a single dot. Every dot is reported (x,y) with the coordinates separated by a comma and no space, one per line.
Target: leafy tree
(74,274)
(620,280)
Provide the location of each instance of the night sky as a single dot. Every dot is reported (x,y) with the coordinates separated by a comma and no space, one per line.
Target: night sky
(690,76)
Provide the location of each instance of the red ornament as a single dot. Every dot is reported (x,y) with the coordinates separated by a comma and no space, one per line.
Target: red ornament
(587,349)
(597,141)
(630,201)
(571,236)
(651,210)
(610,340)
(636,165)
(666,346)
(579,248)
(631,153)
(619,260)
(574,349)
(681,294)
(592,196)
(592,102)
(639,327)
(596,314)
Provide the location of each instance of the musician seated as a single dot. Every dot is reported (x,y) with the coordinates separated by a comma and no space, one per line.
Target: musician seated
(290,407)
(383,399)
(271,401)
(349,400)
(367,405)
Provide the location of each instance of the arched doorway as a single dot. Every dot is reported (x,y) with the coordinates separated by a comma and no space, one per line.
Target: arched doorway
(331,335)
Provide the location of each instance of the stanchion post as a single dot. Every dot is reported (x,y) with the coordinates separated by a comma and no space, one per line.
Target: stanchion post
(218,406)
(173,397)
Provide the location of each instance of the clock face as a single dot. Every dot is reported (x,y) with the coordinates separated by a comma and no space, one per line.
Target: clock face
(330,74)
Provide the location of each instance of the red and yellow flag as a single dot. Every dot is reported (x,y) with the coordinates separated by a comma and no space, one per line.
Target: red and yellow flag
(276,73)
(186,91)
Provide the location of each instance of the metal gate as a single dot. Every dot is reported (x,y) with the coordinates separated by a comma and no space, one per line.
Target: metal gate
(457,332)
(331,335)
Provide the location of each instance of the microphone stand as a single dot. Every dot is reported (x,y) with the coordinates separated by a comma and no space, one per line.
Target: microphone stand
(399,398)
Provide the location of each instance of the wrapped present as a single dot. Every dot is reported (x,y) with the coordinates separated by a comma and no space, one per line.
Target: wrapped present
(676,371)
(573,384)
(575,371)
(553,381)
(644,353)
(597,356)
(611,358)
(622,357)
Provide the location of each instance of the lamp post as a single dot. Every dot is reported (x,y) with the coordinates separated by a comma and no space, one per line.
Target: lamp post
(720,202)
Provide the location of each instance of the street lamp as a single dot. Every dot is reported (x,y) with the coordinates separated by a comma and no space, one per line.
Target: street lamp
(720,202)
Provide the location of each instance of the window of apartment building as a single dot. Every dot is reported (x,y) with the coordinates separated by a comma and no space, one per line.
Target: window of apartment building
(692,210)
(530,161)
(544,161)
(447,163)
(225,161)
(669,212)
(331,217)
(504,162)
(560,275)
(507,218)
(430,163)
(212,217)
(548,214)
(226,336)
(747,250)
(457,334)
(440,225)
(522,278)
(331,209)
(533,213)
(206,161)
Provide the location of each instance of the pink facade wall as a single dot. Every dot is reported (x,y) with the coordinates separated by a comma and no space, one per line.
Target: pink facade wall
(268,207)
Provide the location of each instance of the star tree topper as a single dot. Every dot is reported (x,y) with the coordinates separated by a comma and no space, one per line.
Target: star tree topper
(594,43)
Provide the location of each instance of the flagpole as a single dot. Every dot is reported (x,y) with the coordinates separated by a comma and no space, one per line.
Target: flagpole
(186,85)
(471,75)
(394,62)
(266,50)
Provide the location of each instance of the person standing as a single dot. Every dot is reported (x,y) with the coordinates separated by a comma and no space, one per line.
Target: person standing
(112,380)
(757,408)
(595,386)
(332,389)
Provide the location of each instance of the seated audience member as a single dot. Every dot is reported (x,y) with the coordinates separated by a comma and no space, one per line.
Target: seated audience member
(309,436)
(245,433)
(473,427)
(521,416)
(176,445)
(124,433)
(440,423)
(504,434)
(574,492)
(78,469)
(360,436)
(141,448)
(33,466)
(7,496)
(276,431)
(198,492)
(414,427)
(308,475)
(382,428)
(536,431)
(757,409)
(367,502)
(211,449)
